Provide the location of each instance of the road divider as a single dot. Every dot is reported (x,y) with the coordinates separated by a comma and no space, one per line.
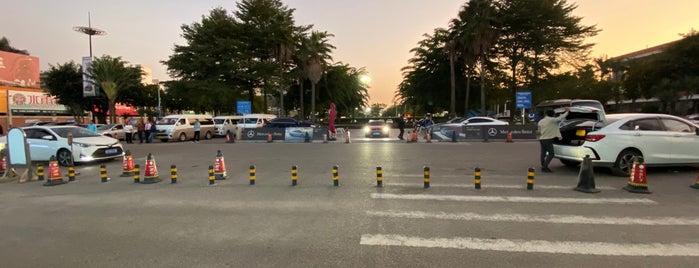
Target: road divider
(379,177)
(336,179)
(530,179)
(173,174)
(252,174)
(103,173)
(426,177)
(294,175)
(477,178)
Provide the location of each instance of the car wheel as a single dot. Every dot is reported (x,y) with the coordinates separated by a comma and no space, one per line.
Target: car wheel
(183,137)
(624,162)
(64,157)
(207,136)
(569,163)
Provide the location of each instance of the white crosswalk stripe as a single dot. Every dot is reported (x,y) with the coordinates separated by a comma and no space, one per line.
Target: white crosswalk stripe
(516,199)
(486,186)
(535,246)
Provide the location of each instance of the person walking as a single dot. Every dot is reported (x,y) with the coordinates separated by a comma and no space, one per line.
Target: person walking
(141,127)
(197,129)
(548,131)
(401,127)
(153,130)
(128,131)
(147,129)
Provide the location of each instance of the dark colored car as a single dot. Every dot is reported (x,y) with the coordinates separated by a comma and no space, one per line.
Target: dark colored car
(283,122)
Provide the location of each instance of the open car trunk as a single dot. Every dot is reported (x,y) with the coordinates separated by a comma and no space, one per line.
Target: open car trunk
(579,122)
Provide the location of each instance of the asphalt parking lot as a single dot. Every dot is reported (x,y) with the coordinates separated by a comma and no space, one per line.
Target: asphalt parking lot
(87,223)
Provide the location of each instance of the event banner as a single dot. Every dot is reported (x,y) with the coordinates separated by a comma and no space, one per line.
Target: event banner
(88,84)
(484,132)
(19,70)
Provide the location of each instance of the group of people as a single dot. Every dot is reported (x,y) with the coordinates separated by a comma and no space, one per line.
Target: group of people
(421,125)
(145,131)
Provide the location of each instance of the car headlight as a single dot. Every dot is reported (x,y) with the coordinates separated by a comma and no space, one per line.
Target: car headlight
(366,129)
(385,129)
(84,145)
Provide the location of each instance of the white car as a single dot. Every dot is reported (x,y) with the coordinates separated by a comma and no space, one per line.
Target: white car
(112,130)
(662,140)
(477,121)
(46,141)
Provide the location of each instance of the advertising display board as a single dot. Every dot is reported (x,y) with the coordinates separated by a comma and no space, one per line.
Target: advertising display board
(19,70)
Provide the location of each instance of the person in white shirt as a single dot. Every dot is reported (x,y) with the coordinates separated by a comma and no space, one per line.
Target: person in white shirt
(128,131)
(548,131)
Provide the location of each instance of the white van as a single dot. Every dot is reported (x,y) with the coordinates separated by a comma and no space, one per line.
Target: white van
(225,124)
(181,127)
(254,120)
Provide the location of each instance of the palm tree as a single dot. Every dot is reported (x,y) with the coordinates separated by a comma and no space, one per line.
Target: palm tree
(111,75)
(317,51)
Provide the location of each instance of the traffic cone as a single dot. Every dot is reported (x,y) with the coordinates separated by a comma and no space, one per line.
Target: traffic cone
(219,166)
(128,164)
(150,174)
(229,139)
(429,138)
(54,173)
(586,177)
(509,137)
(325,138)
(347,136)
(696,184)
(638,182)
(269,137)
(3,165)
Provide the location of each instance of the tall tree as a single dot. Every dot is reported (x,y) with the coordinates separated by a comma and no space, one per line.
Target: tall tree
(112,75)
(318,54)
(64,81)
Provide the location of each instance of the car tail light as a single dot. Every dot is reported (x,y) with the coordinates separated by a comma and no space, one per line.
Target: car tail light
(594,138)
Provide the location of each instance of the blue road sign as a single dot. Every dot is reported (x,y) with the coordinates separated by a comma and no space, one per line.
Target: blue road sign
(524,99)
(243,107)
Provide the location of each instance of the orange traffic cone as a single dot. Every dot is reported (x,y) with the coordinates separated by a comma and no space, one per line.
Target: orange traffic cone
(128,165)
(150,174)
(429,138)
(3,165)
(269,137)
(696,184)
(414,136)
(509,136)
(638,182)
(54,173)
(219,166)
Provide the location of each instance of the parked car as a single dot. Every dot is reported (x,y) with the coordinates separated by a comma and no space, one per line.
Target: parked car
(376,128)
(476,121)
(694,118)
(662,140)
(112,130)
(47,141)
(283,122)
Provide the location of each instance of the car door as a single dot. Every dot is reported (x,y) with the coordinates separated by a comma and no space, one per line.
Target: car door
(685,142)
(650,136)
(40,148)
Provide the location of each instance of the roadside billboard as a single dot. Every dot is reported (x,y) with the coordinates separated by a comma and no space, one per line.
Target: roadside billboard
(19,70)
(24,102)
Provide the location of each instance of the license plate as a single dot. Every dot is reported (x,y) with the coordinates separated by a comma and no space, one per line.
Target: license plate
(376,133)
(111,151)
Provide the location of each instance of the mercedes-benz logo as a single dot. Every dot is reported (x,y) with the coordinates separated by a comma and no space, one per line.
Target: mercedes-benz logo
(251,133)
(492,132)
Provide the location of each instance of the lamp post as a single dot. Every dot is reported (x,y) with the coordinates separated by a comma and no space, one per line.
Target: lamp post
(89,31)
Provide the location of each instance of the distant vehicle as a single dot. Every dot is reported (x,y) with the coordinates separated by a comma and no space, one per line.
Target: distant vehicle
(46,141)
(662,140)
(112,130)
(254,120)
(284,122)
(376,128)
(389,121)
(694,118)
(477,121)
(181,127)
(226,123)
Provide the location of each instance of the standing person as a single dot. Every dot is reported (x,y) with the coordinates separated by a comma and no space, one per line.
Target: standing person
(197,129)
(153,129)
(548,132)
(427,124)
(141,128)
(92,127)
(147,128)
(128,131)
(401,127)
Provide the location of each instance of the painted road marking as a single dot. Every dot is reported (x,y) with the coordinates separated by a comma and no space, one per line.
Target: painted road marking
(499,186)
(559,219)
(516,199)
(537,246)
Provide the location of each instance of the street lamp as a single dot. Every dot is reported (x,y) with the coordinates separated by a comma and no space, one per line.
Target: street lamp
(89,31)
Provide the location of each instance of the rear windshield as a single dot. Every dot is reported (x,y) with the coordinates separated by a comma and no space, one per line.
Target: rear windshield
(248,121)
(219,121)
(595,104)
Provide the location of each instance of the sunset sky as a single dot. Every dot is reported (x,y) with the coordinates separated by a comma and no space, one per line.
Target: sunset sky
(375,34)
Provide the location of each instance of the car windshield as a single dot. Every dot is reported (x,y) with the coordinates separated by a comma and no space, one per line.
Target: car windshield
(105,127)
(219,121)
(167,121)
(248,121)
(78,132)
(376,123)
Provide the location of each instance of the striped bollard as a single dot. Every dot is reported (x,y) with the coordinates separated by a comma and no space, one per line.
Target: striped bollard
(294,175)
(40,172)
(477,177)
(426,176)
(336,180)
(212,180)
(252,174)
(137,173)
(173,174)
(530,179)
(379,177)
(103,173)
(71,173)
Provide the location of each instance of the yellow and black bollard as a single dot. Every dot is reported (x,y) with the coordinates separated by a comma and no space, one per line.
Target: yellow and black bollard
(426,175)
(212,180)
(379,177)
(530,179)
(137,173)
(477,177)
(252,174)
(336,180)
(173,174)
(294,175)
(103,173)
(71,173)
(40,172)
